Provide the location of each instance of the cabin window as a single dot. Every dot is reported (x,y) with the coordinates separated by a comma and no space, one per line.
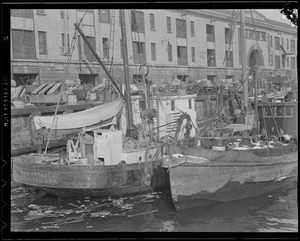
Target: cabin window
(180,28)
(173,105)
(288,111)
(23,44)
(267,111)
(190,104)
(278,111)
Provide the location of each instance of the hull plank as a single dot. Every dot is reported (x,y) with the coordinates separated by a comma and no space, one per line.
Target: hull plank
(228,175)
(84,180)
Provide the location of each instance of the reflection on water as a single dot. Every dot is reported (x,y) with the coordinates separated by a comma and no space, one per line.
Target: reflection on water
(154,212)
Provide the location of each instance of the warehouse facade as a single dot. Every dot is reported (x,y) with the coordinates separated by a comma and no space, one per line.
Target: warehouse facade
(187,44)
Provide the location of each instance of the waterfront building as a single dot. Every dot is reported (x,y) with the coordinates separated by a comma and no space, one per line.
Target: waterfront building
(185,44)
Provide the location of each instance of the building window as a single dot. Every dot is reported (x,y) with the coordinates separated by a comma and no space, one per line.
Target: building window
(182,77)
(277,43)
(271,60)
(172,105)
(152,22)
(182,55)
(153,52)
(287,62)
(104,16)
(277,62)
(251,34)
(228,35)
(169,29)
(229,58)
(193,54)
(292,45)
(62,13)
(293,63)
(283,61)
(137,22)
(210,33)
(65,48)
(263,36)
(282,41)
(287,44)
(22,13)
(180,28)
(42,42)
(139,53)
(211,58)
(170,58)
(211,78)
(257,35)
(121,48)
(105,47)
(41,11)
(271,41)
(190,104)
(86,50)
(23,44)
(192,29)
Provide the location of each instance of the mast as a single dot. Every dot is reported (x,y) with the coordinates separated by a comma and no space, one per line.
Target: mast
(99,60)
(126,72)
(244,61)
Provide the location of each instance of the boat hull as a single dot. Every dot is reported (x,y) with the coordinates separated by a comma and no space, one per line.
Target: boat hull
(228,175)
(85,180)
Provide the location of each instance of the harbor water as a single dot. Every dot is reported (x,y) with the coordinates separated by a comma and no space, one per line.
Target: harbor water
(32,211)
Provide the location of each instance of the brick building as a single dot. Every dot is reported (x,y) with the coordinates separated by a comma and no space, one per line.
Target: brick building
(187,44)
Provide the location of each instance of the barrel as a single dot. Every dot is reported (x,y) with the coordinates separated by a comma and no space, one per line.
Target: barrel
(72,99)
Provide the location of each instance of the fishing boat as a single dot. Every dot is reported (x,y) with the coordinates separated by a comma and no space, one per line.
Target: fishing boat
(235,165)
(107,155)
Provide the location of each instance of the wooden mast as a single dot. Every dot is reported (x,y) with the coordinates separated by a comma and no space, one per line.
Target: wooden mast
(244,61)
(126,72)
